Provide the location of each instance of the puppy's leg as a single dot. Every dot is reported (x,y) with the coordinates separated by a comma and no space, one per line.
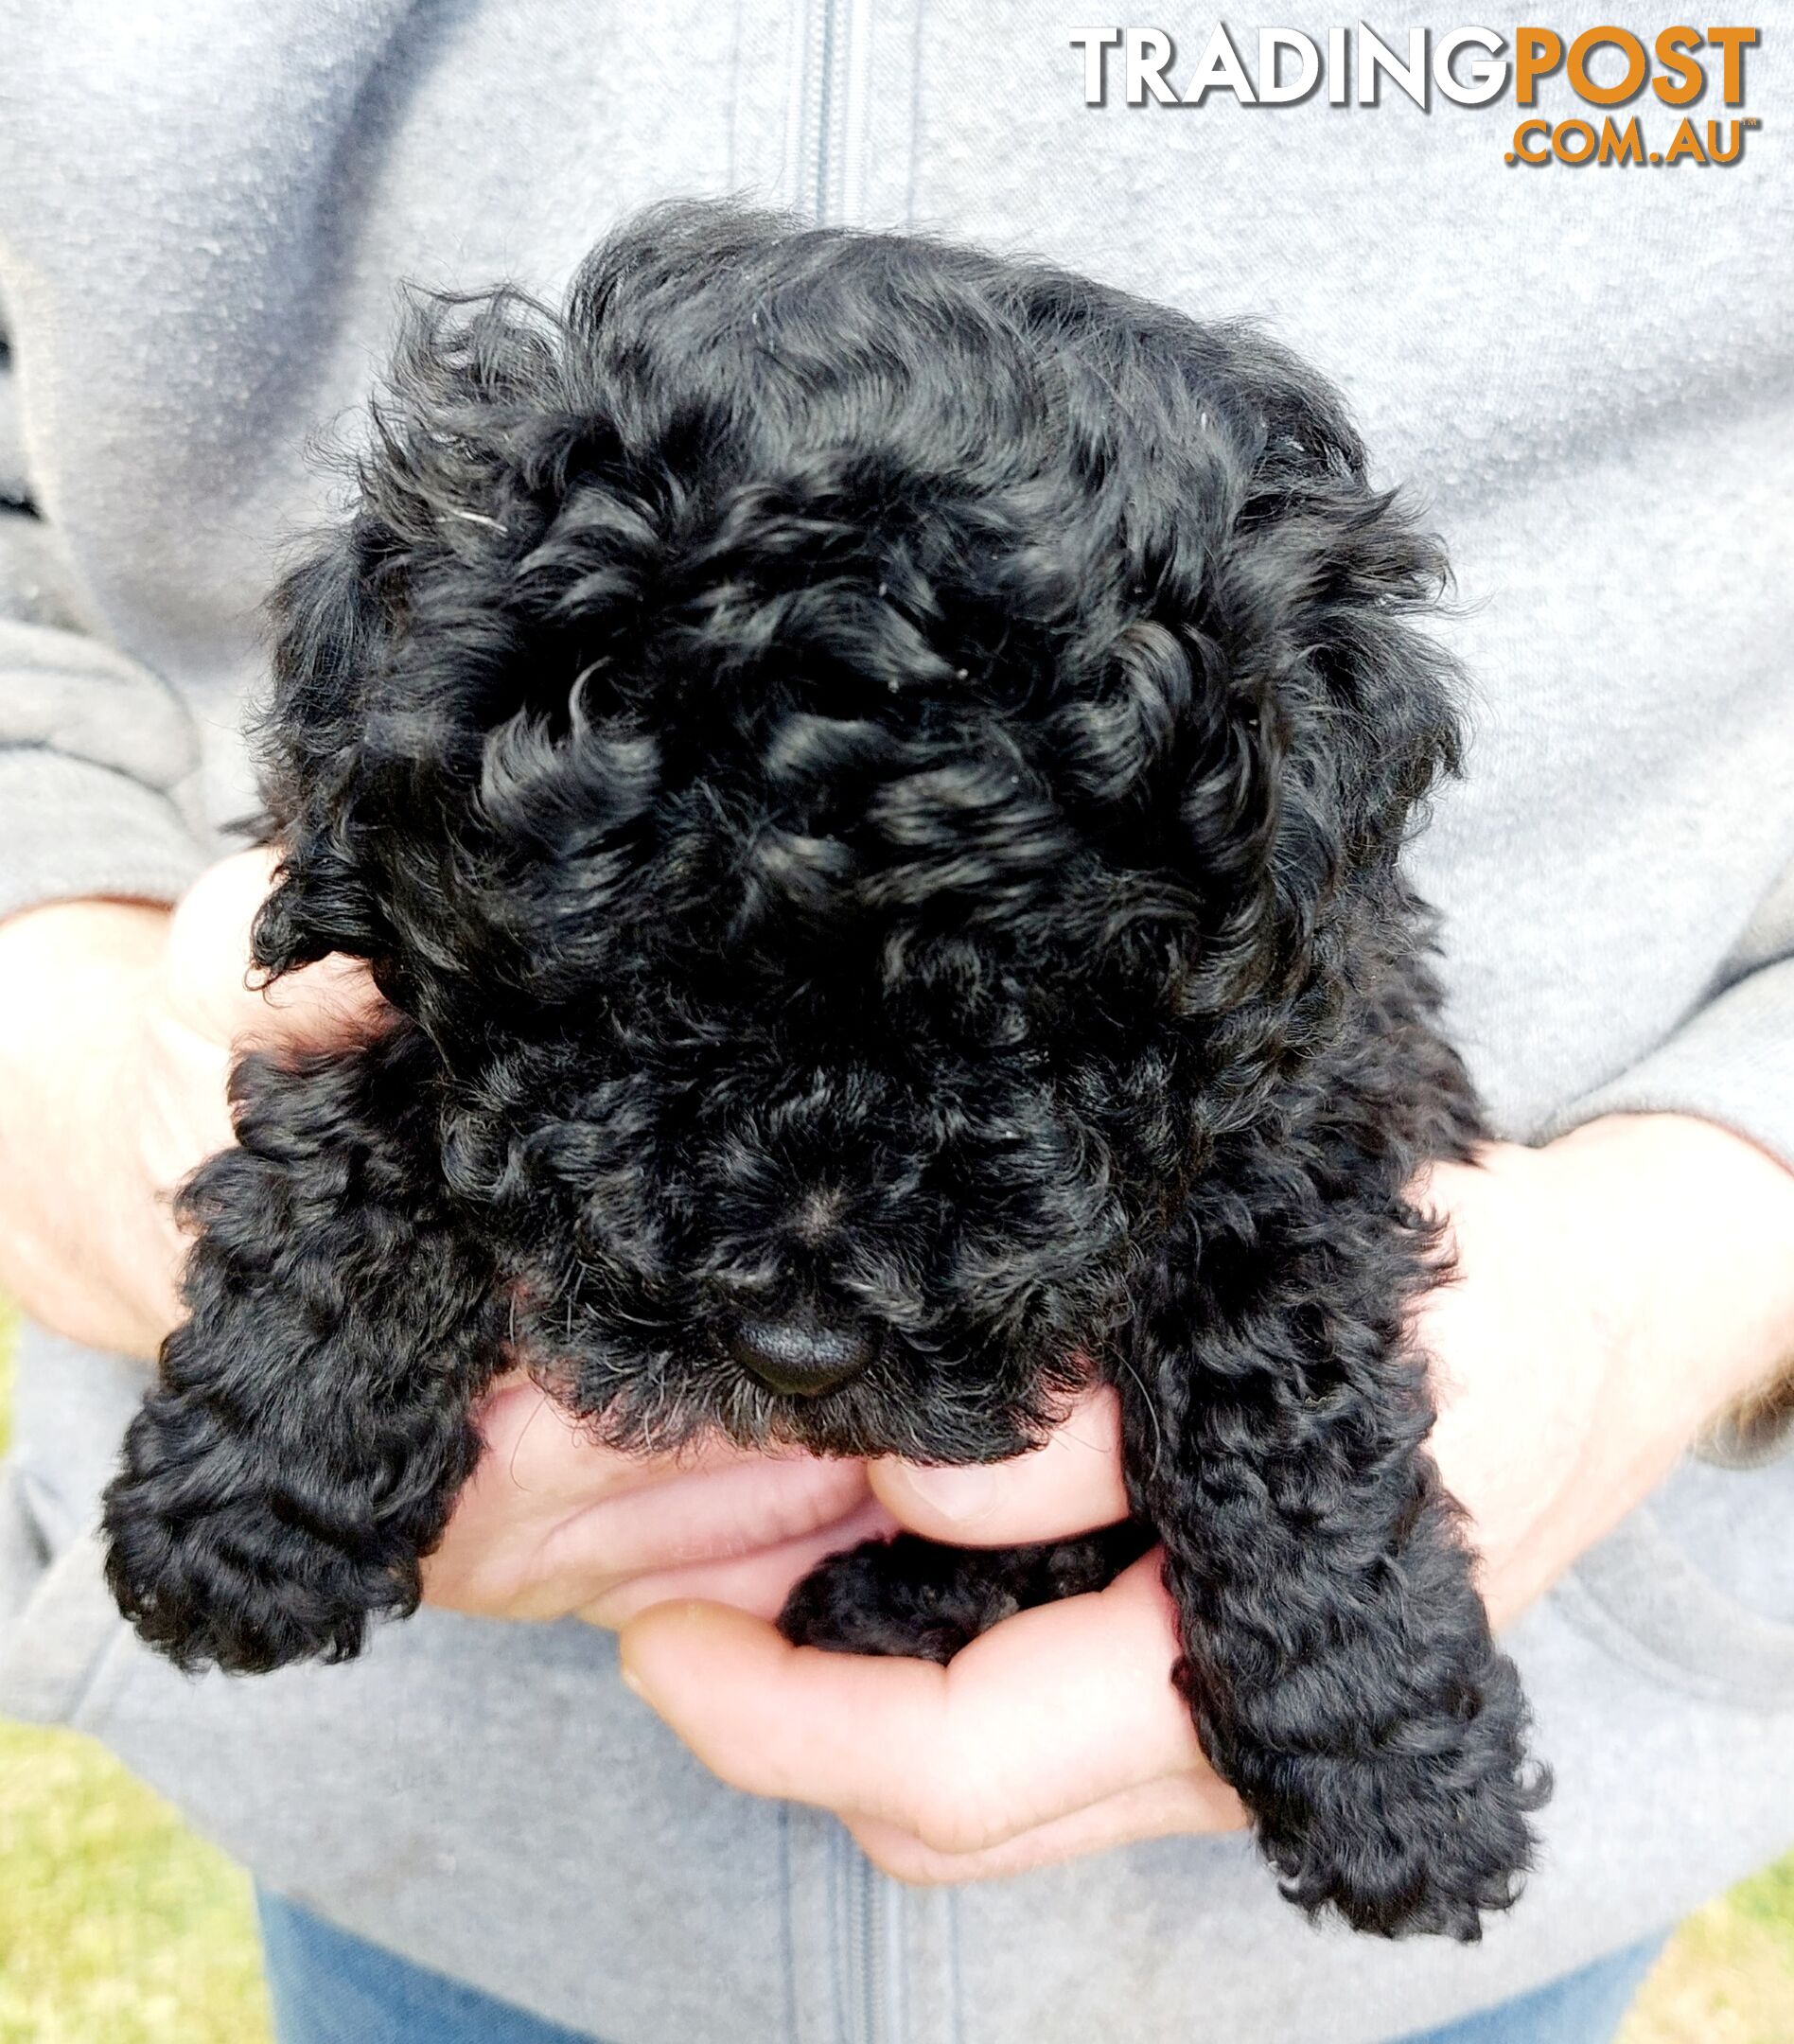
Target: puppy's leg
(914,1598)
(1337,1658)
(310,1427)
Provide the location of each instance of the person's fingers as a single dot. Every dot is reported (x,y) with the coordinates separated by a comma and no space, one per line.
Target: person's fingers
(718,1516)
(208,980)
(541,1448)
(185,1117)
(1175,1806)
(1057,1708)
(757,1583)
(534,1445)
(1069,1486)
(551,1522)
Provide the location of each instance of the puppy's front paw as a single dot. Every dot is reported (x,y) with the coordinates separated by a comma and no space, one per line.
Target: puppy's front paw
(220,1562)
(1426,1836)
(917,1600)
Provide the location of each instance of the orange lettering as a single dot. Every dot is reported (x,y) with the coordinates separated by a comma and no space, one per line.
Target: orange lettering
(1672,53)
(1536,51)
(1638,65)
(1734,41)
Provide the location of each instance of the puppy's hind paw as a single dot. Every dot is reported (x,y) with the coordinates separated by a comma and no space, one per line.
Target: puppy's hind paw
(914,1599)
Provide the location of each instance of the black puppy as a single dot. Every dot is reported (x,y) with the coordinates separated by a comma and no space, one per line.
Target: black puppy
(871,778)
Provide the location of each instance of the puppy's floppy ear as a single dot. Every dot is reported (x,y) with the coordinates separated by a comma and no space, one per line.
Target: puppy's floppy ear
(312,1424)
(1344,711)
(397,648)
(1374,708)
(1282,706)
(332,630)
(1338,578)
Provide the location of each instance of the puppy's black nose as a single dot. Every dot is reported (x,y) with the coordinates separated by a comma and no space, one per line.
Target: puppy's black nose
(800,1358)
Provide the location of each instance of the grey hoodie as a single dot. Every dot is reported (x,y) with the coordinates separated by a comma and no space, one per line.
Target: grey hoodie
(1590,373)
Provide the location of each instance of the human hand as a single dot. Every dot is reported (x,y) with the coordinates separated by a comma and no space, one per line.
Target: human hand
(1618,1290)
(552,1525)
(1614,1292)
(1055,1734)
(119,1026)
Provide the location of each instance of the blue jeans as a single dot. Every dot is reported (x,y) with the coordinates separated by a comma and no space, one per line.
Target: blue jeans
(330,1988)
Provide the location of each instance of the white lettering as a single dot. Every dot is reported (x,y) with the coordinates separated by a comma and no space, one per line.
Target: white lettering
(1375,56)
(1095,43)
(1221,65)
(1274,91)
(1485,82)
(1338,65)
(1148,52)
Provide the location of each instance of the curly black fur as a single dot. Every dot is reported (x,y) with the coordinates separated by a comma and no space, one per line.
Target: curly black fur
(909,1597)
(871,777)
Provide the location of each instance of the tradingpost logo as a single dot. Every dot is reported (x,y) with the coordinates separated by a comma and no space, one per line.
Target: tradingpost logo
(1587,74)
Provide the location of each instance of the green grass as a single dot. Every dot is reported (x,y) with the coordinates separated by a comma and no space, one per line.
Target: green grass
(117,1926)
(1727,1977)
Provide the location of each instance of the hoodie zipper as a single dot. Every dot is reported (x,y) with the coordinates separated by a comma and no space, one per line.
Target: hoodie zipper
(869,1925)
(834,121)
(834,51)
(871,2026)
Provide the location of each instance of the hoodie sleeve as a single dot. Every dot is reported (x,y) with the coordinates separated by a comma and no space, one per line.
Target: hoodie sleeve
(96,752)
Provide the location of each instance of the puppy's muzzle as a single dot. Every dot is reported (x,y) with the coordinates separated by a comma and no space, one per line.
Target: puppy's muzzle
(800,1358)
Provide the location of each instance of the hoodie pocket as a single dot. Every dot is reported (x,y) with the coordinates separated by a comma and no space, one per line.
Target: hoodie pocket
(58,1636)
(1694,1588)
(57,1621)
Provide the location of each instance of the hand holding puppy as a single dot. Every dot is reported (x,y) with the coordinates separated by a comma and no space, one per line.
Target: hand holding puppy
(1614,1292)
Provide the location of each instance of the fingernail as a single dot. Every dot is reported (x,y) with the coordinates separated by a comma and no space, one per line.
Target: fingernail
(633,1683)
(962,1493)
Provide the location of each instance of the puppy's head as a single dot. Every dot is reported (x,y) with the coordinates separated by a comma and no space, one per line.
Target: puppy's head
(867,760)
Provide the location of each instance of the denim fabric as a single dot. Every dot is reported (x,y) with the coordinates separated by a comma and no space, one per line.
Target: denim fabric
(329,1987)
(1584,2007)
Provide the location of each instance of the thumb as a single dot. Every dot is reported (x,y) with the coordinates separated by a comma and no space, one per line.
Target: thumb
(1072,1484)
(209,971)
